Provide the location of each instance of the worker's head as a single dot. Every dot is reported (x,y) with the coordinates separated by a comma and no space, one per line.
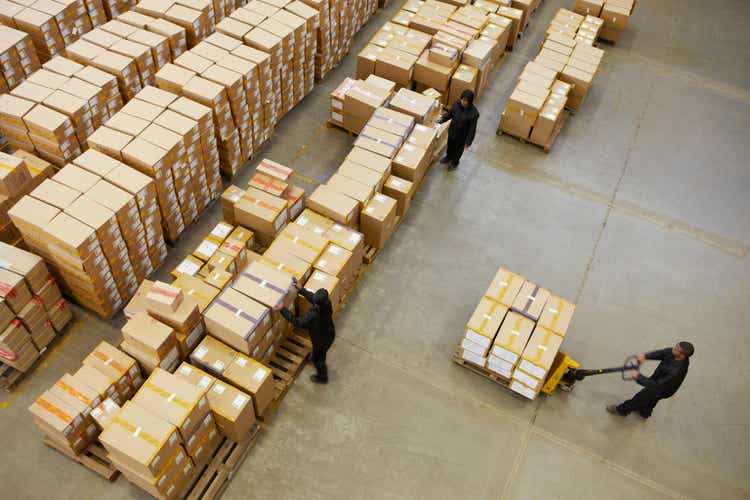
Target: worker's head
(321,300)
(467,98)
(682,350)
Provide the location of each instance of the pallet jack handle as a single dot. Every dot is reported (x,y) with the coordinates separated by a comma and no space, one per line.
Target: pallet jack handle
(578,374)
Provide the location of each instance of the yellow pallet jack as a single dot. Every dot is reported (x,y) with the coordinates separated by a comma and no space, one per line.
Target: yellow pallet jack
(566,371)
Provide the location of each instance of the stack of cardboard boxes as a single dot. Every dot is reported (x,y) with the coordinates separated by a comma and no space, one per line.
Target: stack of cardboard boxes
(18,57)
(158,30)
(197,18)
(171,140)
(32,311)
(57,108)
(20,173)
(535,108)
(97,224)
(72,413)
(52,25)
(516,332)
(612,14)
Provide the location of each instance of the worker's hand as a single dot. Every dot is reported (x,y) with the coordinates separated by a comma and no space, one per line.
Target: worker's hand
(641,358)
(634,373)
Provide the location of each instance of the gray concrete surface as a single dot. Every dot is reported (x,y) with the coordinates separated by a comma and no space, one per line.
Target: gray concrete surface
(640,214)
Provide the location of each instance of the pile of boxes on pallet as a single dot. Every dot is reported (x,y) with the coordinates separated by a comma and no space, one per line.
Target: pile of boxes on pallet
(583,29)
(516,332)
(172,140)
(54,111)
(559,77)
(74,410)
(613,14)
(32,311)
(18,57)
(52,25)
(97,224)
(438,45)
(20,173)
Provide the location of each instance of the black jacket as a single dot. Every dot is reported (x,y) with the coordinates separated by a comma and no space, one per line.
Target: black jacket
(318,321)
(668,376)
(463,123)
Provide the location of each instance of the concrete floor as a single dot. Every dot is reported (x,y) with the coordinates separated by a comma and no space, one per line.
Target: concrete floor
(640,214)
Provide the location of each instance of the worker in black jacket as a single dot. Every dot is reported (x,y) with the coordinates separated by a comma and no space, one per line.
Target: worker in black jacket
(667,378)
(463,116)
(319,323)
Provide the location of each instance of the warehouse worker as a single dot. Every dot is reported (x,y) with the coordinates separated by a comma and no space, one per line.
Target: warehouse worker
(665,381)
(463,116)
(319,323)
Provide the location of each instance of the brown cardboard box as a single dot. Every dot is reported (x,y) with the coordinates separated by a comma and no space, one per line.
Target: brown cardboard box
(530,300)
(308,245)
(233,409)
(411,162)
(432,74)
(331,203)
(60,421)
(212,355)
(122,366)
(295,198)
(483,325)
(537,358)
(253,378)
(219,278)
(421,107)
(138,303)
(149,335)
(351,188)
(145,452)
(378,220)
(14,290)
(237,320)
(190,266)
(183,319)
(196,289)
(338,262)
(99,382)
(265,284)
(505,287)
(163,298)
(378,141)
(464,78)
(282,256)
(104,413)
(176,401)
(557,315)
(373,161)
(263,213)
(395,66)
(511,339)
(400,190)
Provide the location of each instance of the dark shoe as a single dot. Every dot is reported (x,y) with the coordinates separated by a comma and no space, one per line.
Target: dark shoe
(452,167)
(315,379)
(444,159)
(643,415)
(614,411)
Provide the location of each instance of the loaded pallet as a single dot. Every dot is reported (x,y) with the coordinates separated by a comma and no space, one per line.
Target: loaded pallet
(94,457)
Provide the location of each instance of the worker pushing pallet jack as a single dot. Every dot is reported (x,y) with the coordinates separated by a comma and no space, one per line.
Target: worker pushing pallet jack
(666,379)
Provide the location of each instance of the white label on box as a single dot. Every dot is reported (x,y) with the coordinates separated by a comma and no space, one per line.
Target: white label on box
(188,267)
(219,389)
(239,401)
(474,358)
(499,363)
(186,370)
(471,346)
(241,361)
(505,354)
(336,104)
(207,248)
(193,337)
(532,369)
(171,357)
(259,374)
(478,339)
(204,382)
(200,352)
(219,365)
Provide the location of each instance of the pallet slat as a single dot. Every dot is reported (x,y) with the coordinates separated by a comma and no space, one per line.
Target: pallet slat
(94,458)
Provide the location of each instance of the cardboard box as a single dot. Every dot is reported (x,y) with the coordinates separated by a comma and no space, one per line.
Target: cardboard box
(557,315)
(411,162)
(378,220)
(530,300)
(373,161)
(269,184)
(505,287)
(212,355)
(395,66)
(196,289)
(149,335)
(275,170)
(146,452)
(232,409)
(512,337)
(400,190)
(104,413)
(163,298)
(485,322)
(537,357)
(329,202)
(351,188)
(253,378)
(424,109)
(176,401)
(60,421)
(237,320)
(282,255)
(263,213)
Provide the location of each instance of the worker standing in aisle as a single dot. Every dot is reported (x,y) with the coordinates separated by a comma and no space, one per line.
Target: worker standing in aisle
(464,116)
(319,323)
(665,381)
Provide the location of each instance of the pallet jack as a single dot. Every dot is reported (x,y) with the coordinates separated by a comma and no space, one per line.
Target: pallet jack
(566,371)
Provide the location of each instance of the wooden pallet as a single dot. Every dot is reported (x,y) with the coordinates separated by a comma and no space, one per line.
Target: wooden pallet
(333,124)
(94,458)
(227,459)
(286,364)
(480,370)
(548,145)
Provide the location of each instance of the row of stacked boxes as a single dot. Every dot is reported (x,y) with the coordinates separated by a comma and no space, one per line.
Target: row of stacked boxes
(614,15)
(18,57)
(32,311)
(516,332)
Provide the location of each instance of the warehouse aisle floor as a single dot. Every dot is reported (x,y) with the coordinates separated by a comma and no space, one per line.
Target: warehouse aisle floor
(640,214)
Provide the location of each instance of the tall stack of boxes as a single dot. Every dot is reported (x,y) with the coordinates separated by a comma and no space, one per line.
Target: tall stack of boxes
(20,173)
(159,30)
(97,224)
(516,332)
(198,18)
(32,311)
(18,57)
(169,139)
(613,14)
(52,24)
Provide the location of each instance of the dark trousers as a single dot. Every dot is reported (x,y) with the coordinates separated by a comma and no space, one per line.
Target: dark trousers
(455,149)
(643,402)
(318,358)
